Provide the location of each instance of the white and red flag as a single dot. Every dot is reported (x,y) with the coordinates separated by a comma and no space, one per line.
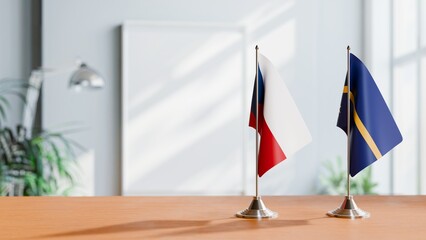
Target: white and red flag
(281,126)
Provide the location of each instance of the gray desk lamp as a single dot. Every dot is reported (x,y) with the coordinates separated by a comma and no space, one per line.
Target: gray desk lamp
(82,77)
(86,77)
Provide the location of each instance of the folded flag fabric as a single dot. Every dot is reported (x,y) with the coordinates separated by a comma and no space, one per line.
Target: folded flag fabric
(280,125)
(373,131)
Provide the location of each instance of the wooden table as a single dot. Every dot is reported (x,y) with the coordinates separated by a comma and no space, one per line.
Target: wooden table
(300,217)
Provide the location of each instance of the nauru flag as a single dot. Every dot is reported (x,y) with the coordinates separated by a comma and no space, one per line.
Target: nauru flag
(281,126)
(373,131)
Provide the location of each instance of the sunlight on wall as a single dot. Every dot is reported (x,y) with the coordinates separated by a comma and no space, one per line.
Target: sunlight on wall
(187,129)
(266,13)
(213,46)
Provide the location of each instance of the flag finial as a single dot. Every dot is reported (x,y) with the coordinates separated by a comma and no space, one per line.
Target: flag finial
(349,48)
(257,47)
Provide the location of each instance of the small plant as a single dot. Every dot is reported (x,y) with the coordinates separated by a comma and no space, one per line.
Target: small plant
(36,165)
(334,180)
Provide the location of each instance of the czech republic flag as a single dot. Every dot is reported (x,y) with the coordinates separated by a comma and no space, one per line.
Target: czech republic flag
(280,124)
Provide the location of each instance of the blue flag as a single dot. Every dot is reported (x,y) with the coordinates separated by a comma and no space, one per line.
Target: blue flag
(373,129)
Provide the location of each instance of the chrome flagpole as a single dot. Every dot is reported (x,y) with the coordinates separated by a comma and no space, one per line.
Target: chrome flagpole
(348,209)
(257,121)
(257,208)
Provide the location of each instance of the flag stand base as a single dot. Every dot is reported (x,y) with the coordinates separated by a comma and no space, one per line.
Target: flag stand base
(348,209)
(257,209)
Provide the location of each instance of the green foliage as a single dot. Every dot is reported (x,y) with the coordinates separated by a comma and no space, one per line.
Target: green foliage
(334,180)
(37,165)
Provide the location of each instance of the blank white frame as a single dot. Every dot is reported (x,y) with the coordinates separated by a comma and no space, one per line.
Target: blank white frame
(173,26)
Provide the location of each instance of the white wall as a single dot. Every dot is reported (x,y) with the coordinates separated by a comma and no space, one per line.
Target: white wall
(15,47)
(306,40)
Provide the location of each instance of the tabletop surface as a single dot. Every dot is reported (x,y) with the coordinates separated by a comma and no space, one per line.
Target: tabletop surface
(300,217)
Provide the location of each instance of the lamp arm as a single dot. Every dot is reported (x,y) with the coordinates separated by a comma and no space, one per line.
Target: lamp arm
(31,100)
(33,94)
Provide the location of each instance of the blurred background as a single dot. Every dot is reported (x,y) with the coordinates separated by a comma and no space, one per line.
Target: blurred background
(172,116)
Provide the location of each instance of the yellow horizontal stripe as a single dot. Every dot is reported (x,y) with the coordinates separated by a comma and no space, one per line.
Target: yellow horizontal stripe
(362,129)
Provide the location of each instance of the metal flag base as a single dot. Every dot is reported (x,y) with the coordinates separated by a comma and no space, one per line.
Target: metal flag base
(348,209)
(257,209)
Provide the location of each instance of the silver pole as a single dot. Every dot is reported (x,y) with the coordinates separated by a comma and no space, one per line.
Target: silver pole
(257,208)
(348,209)
(257,121)
(349,123)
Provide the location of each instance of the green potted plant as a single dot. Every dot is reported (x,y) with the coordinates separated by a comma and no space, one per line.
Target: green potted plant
(41,164)
(333,180)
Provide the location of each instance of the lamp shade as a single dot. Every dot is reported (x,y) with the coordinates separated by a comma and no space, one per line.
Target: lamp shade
(86,77)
